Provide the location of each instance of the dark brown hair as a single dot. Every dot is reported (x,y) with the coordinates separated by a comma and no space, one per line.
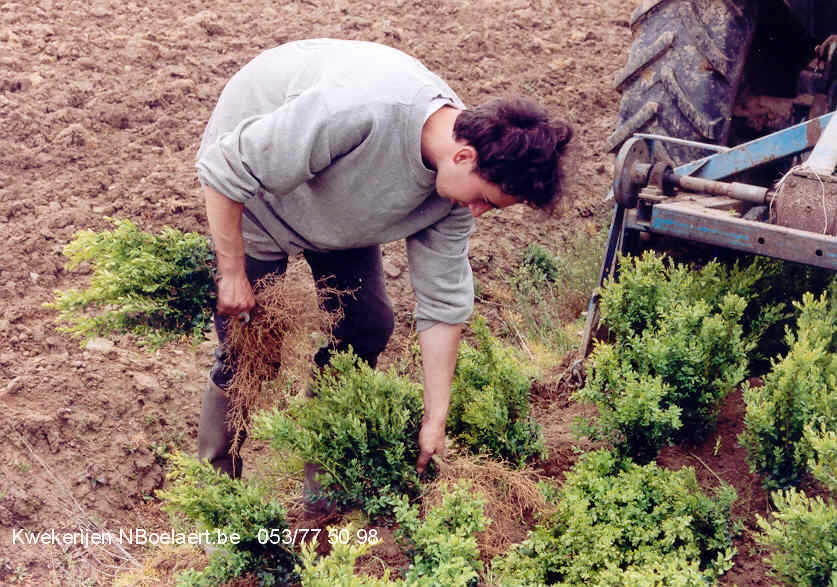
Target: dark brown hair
(518,147)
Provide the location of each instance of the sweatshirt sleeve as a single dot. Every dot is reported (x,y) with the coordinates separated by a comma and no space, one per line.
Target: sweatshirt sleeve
(282,149)
(440,271)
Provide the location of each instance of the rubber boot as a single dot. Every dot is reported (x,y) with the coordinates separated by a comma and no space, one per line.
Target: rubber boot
(215,438)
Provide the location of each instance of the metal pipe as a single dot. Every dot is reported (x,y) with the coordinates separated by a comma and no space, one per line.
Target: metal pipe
(739,191)
(684,142)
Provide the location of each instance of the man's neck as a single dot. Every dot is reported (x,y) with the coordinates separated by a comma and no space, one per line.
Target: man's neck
(437,136)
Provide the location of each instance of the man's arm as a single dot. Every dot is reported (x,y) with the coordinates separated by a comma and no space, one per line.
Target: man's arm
(439,345)
(235,295)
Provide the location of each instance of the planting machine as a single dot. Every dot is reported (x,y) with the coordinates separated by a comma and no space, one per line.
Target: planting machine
(726,133)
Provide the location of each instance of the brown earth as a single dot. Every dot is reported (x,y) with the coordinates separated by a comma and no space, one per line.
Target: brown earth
(102,105)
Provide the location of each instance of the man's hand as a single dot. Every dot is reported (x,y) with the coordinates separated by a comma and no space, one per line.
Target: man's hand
(431,442)
(235,294)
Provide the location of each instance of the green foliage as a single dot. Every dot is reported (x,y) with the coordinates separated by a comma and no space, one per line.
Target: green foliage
(802,536)
(541,263)
(797,393)
(157,287)
(362,431)
(635,411)
(677,350)
(337,569)
(551,290)
(218,503)
(823,464)
(443,547)
(619,523)
(489,409)
(769,314)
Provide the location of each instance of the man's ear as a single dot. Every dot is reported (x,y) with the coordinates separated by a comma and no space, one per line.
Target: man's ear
(465,154)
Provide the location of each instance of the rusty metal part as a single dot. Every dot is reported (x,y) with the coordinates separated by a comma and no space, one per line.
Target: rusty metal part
(740,191)
(807,201)
(631,171)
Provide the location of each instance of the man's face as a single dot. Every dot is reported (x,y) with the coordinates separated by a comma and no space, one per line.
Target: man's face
(458,181)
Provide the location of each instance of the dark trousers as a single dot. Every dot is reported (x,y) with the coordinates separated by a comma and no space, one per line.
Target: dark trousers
(366,326)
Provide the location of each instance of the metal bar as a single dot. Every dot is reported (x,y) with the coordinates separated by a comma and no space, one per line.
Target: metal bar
(739,191)
(783,143)
(608,268)
(684,142)
(689,221)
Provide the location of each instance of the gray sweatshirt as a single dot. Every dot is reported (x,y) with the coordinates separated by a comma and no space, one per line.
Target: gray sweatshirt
(321,140)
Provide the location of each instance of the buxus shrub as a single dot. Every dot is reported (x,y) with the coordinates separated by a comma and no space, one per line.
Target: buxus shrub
(361,430)
(223,506)
(801,536)
(619,523)
(442,545)
(489,408)
(155,286)
(797,393)
(676,350)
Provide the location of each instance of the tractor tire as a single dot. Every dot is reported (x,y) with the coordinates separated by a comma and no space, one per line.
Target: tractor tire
(683,72)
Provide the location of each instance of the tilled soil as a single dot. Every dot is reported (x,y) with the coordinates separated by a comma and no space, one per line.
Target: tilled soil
(102,105)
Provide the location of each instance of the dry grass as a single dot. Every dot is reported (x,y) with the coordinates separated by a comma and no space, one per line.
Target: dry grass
(279,341)
(513,500)
(162,566)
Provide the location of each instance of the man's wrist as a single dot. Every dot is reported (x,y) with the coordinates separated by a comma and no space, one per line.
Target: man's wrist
(434,420)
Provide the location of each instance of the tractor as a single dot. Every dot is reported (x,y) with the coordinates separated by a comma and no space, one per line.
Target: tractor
(725,134)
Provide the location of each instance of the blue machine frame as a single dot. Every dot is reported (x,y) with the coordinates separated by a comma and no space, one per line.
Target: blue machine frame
(708,219)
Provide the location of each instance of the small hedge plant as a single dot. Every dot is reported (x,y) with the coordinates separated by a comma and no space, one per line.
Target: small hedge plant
(224,506)
(677,349)
(489,409)
(619,523)
(361,430)
(156,287)
(797,393)
(801,536)
(442,545)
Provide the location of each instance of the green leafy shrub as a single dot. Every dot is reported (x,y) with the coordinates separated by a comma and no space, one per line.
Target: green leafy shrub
(489,409)
(619,523)
(802,537)
(635,411)
(361,430)
(157,287)
(540,262)
(774,285)
(797,393)
(224,506)
(338,567)
(823,464)
(443,547)
(677,351)
(443,544)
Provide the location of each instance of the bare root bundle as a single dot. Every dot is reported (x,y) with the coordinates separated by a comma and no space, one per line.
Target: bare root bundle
(279,340)
(513,499)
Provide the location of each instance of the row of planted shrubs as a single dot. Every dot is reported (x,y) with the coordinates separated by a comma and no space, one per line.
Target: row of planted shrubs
(791,436)
(615,520)
(680,340)
(615,523)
